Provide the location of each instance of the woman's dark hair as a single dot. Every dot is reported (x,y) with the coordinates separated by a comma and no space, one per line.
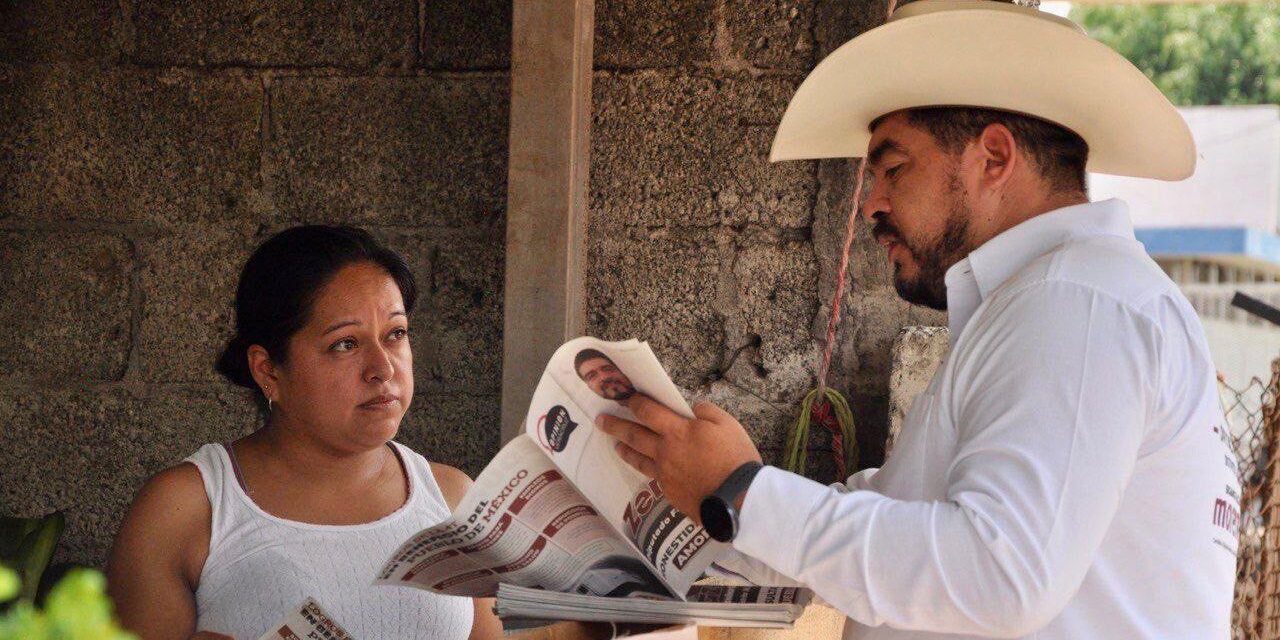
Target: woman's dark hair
(280,282)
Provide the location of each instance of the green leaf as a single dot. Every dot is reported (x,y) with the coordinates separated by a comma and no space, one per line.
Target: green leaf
(35,551)
(9,583)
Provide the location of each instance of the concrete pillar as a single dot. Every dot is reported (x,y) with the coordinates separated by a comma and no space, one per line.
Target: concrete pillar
(544,301)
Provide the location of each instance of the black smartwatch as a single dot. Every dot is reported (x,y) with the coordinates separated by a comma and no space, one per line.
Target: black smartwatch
(719,515)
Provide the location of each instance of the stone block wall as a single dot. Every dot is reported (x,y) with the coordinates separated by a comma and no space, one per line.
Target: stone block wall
(724,262)
(146,148)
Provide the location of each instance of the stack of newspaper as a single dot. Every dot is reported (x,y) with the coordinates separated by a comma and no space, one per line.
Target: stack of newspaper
(559,513)
(708,606)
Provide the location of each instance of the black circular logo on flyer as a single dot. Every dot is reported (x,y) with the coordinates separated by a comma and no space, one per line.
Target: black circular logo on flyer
(558,426)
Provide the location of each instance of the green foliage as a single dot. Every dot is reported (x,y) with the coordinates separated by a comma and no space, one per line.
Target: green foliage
(832,412)
(27,545)
(1197,54)
(9,584)
(77,608)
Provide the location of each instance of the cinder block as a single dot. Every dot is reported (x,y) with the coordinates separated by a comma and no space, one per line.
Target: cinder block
(427,151)
(636,34)
(675,149)
(460,430)
(775,301)
(456,330)
(767,422)
(347,33)
(67,310)
(38,31)
(772,34)
(662,288)
(751,190)
(651,155)
(89,452)
(465,35)
(106,145)
(188,300)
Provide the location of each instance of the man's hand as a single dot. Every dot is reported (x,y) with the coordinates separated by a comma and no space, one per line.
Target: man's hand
(689,458)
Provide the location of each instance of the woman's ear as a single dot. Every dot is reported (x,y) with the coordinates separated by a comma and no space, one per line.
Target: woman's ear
(264,371)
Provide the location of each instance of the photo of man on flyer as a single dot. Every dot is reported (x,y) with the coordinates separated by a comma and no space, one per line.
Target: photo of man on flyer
(603,376)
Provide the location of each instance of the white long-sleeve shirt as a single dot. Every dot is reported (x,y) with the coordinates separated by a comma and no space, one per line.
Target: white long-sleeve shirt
(1065,475)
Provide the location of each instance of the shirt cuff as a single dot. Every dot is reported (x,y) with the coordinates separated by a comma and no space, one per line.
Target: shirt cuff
(776,509)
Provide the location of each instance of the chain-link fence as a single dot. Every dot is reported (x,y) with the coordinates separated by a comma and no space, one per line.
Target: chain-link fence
(1251,415)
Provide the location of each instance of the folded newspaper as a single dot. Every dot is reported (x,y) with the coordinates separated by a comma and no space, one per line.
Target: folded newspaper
(588,537)
(706,605)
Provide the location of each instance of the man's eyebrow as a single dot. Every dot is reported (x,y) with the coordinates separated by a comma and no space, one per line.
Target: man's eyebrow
(885,146)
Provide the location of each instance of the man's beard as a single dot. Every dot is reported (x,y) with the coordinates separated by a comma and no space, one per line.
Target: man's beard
(929,287)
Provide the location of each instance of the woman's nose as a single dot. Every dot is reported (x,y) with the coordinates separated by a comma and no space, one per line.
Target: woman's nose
(380,366)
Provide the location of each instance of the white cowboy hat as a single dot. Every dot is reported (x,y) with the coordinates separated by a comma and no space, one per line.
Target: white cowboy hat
(984,53)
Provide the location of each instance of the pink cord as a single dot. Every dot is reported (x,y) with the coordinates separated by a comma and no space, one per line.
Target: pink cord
(821,410)
(834,321)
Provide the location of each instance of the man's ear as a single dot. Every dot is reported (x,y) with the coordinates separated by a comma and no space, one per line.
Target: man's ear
(997,156)
(264,371)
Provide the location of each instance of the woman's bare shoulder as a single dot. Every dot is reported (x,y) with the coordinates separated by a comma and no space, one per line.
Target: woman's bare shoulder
(173,499)
(166,529)
(453,482)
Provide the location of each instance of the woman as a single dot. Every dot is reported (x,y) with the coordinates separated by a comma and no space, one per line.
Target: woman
(314,502)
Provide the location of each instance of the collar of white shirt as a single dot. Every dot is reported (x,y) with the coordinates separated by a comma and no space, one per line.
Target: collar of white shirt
(971,280)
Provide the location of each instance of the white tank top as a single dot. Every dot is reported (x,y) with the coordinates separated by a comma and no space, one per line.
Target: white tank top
(261,567)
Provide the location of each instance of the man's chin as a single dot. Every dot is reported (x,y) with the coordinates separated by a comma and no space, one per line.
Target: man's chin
(622,397)
(915,292)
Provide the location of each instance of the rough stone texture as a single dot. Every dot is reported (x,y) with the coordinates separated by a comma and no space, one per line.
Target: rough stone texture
(772,33)
(653,33)
(670,305)
(104,145)
(146,149)
(670,149)
(651,151)
(57,30)
(457,429)
(456,329)
(108,443)
(49,280)
(465,35)
(916,355)
(423,151)
(750,190)
(345,33)
(724,262)
(772,309)
(186,321)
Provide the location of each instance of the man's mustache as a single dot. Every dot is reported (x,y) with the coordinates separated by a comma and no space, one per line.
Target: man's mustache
(883,228)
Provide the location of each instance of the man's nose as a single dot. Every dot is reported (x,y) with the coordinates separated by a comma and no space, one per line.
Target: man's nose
(876,204)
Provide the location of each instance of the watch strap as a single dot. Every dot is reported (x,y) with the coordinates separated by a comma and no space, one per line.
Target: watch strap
(737,482)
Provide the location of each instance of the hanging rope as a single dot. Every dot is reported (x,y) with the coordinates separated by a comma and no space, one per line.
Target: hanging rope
(824,405)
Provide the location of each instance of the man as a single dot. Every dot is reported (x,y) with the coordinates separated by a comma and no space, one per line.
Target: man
(603,376)
(1065,474)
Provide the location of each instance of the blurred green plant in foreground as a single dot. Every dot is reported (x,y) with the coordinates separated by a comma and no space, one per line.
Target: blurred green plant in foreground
(77,608)
(1196,53)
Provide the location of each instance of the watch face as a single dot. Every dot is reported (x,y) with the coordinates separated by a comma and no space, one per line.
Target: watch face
(718,518)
